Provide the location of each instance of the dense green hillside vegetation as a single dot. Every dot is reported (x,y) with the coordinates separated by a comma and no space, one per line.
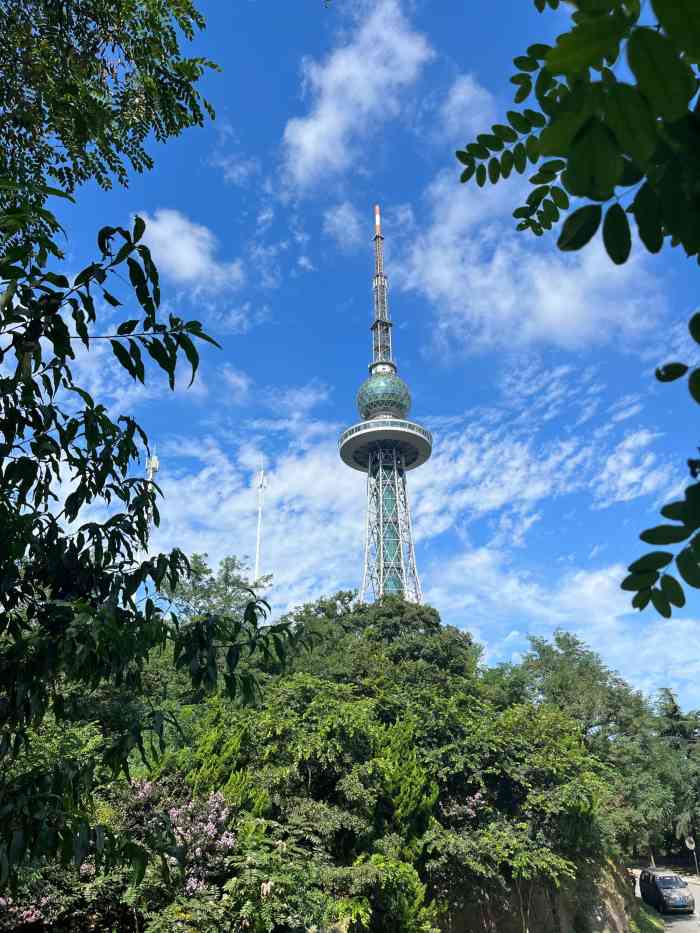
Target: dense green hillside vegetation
(385,780)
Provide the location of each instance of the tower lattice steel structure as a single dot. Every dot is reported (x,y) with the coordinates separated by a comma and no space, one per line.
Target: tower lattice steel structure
(385,445)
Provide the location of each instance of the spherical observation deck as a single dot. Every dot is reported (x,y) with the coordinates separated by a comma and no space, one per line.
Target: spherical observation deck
(414,442)
(384,393)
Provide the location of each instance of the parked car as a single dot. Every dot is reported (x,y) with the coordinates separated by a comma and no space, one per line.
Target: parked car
(666,891)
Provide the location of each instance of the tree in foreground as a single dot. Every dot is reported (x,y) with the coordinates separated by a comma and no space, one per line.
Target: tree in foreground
(615,125)
(84,85)
(79,597)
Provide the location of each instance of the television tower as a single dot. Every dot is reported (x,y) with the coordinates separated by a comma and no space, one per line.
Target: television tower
(384,445)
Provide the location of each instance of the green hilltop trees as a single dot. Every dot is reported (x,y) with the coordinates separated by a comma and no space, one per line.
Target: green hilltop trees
(615,125)
(385,780)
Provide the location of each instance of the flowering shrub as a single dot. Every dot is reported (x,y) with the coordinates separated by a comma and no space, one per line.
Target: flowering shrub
(198,839)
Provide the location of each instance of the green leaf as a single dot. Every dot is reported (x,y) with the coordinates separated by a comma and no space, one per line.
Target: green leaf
(467,173)
(162,358)
(505,132)
(550,211)
(524,91)
(532,148)
(672,590)
(525,63)
(535,118)
(506,163)
(661,75)
(139,228)
(641,600)
(681,20)
(595,161)
(478,152)
(519,158)
(661,604)
(631,173)
(665,534)
(190,352)
(481,175)
(671,371)
(60,281)
(694,384)
(654,560)
(518,121)
(586,45)
(688,567)
(675,511)
(694,327)
(138,857)
(616,234)
(537,195)
(580,227)
(647,212)
(553,165)
(627,113)
(127,327)
(494,143)
(115,302)
(464,157)
(560,197)
(122,355)
(494,170)
(538,51)
(639,581)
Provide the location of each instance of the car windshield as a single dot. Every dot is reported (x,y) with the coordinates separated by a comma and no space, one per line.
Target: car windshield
(670,881)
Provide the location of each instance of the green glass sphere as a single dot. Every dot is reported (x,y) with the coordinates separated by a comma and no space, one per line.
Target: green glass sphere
(383,394)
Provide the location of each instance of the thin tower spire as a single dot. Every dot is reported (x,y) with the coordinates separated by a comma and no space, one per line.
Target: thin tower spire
(381,325)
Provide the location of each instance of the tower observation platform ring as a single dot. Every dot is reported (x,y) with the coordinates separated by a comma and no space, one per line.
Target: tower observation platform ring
(358,443)
(385,445)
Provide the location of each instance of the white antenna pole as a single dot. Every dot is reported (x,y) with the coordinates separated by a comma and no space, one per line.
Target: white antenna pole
(260,483)
(152,467)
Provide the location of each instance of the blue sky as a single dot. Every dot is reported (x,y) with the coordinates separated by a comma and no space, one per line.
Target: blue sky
(554,446)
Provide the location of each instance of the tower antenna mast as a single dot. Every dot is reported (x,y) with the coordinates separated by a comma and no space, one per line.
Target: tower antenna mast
(260,483)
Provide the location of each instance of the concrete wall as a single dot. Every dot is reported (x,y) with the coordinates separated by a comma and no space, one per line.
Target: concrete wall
(594,903)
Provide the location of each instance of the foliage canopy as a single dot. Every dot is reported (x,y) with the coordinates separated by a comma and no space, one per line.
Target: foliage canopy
(617,128)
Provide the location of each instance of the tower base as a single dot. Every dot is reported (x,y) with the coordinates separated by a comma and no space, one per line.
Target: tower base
(390,563)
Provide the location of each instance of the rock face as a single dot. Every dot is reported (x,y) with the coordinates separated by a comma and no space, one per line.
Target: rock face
(597,902)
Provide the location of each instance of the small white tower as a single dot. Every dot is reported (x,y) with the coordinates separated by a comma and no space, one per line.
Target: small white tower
(152,467)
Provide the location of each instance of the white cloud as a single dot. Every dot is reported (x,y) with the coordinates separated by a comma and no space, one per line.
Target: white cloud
(239,319)
(238,383)
(312,526)
(468,109)
(353,91)
(305,263)
(186,252)
(343,224)
(236,169)
(481,590)
(492,286)
(631,470)
(625,408)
